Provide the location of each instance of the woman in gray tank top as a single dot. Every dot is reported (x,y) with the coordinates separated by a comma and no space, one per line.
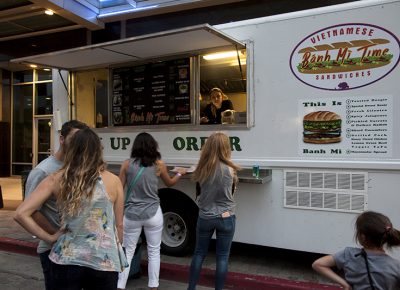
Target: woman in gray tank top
(139,175)
(216,175)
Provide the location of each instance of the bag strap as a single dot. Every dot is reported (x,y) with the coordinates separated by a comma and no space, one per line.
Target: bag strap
(363,253)
(133,183)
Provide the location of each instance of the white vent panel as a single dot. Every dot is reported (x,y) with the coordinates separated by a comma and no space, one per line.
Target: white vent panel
(317,199)
(344,201)
(304,198)
(326,190)
(291,198)
(317,180)
(291,179)
(344,181)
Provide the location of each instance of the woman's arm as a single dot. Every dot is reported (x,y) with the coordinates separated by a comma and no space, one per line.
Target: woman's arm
(207,115)
(324,267)
(25,210)
(116,193)
(168,180)
(119,209)
(122,172)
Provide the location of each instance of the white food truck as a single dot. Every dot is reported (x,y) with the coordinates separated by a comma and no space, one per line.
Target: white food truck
(315,96)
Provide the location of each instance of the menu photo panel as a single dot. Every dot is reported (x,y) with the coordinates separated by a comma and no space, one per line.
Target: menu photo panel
(152,94)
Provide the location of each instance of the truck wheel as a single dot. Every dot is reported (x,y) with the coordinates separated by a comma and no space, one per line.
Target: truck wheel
(179,232)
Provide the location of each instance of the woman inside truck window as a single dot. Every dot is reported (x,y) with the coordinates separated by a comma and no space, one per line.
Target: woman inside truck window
(216,175)
(139,175)
(219,103)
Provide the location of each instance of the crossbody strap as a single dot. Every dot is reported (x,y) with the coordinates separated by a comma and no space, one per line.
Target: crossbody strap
(133,183)
(363,253)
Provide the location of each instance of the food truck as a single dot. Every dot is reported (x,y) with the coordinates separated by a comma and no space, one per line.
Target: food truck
(315,95)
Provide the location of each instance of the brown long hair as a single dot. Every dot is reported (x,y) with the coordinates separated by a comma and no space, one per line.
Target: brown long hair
(374,229)
(216,149)
(82,165)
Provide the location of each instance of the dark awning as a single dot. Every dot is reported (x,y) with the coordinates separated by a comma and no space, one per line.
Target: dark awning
(193,39)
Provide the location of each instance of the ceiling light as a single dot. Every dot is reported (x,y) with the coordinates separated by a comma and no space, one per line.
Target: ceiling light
(219,55)
(33,65)
(47,69)
(49,12)
(119,12)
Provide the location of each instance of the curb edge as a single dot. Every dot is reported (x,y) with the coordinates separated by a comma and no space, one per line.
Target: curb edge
(180,273)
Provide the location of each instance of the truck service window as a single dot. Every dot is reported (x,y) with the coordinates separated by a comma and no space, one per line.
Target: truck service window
(151,94)
(223,97)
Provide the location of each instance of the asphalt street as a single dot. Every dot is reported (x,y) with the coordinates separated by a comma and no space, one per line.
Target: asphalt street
(251,267)
(23,272)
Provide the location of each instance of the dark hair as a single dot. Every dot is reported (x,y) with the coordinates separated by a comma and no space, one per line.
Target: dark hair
(374,229)
(145,148)
(72,124)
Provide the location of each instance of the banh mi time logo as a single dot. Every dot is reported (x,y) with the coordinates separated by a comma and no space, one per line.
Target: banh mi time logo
(345,56)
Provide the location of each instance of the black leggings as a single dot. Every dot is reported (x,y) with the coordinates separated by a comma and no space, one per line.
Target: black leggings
(71,277)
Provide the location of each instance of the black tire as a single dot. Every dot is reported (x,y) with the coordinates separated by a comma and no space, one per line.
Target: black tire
(179,232)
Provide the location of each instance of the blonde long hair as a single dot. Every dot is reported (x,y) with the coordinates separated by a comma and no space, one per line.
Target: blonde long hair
(217,149)
(82,165)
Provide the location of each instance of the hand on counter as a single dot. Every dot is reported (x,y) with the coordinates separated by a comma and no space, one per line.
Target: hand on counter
(183,170)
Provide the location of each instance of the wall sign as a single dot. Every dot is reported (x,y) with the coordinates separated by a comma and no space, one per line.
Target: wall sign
(354,127)
(345,56)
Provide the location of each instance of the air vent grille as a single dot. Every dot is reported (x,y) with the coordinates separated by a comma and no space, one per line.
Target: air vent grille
(326,190)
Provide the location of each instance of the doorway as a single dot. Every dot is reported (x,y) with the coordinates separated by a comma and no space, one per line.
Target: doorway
(43,138)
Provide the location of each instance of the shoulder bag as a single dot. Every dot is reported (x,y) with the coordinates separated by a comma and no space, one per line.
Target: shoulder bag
(133,183)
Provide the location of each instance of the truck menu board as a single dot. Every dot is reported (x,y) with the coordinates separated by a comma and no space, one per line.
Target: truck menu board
(151,94)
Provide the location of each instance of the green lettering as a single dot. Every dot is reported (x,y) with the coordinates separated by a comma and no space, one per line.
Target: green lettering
(113,146)
(235,146)
(202,141)
(192,142)
(179,143)
(125,142)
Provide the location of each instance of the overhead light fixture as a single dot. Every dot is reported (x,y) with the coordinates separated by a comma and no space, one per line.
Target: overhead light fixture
(132,3)
(119,12)
(33,65)
(220,55)
(47,69)
(49,12)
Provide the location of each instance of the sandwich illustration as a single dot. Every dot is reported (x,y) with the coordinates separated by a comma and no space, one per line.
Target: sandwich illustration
(326,63)
(322,127)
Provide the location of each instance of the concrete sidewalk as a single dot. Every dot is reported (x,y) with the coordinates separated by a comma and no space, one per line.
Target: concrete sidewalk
(250,267)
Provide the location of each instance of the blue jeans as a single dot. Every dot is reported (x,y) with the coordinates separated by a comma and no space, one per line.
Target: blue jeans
(225,229)
(46,267)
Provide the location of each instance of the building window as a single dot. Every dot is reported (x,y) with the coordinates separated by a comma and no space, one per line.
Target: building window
(32,99)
